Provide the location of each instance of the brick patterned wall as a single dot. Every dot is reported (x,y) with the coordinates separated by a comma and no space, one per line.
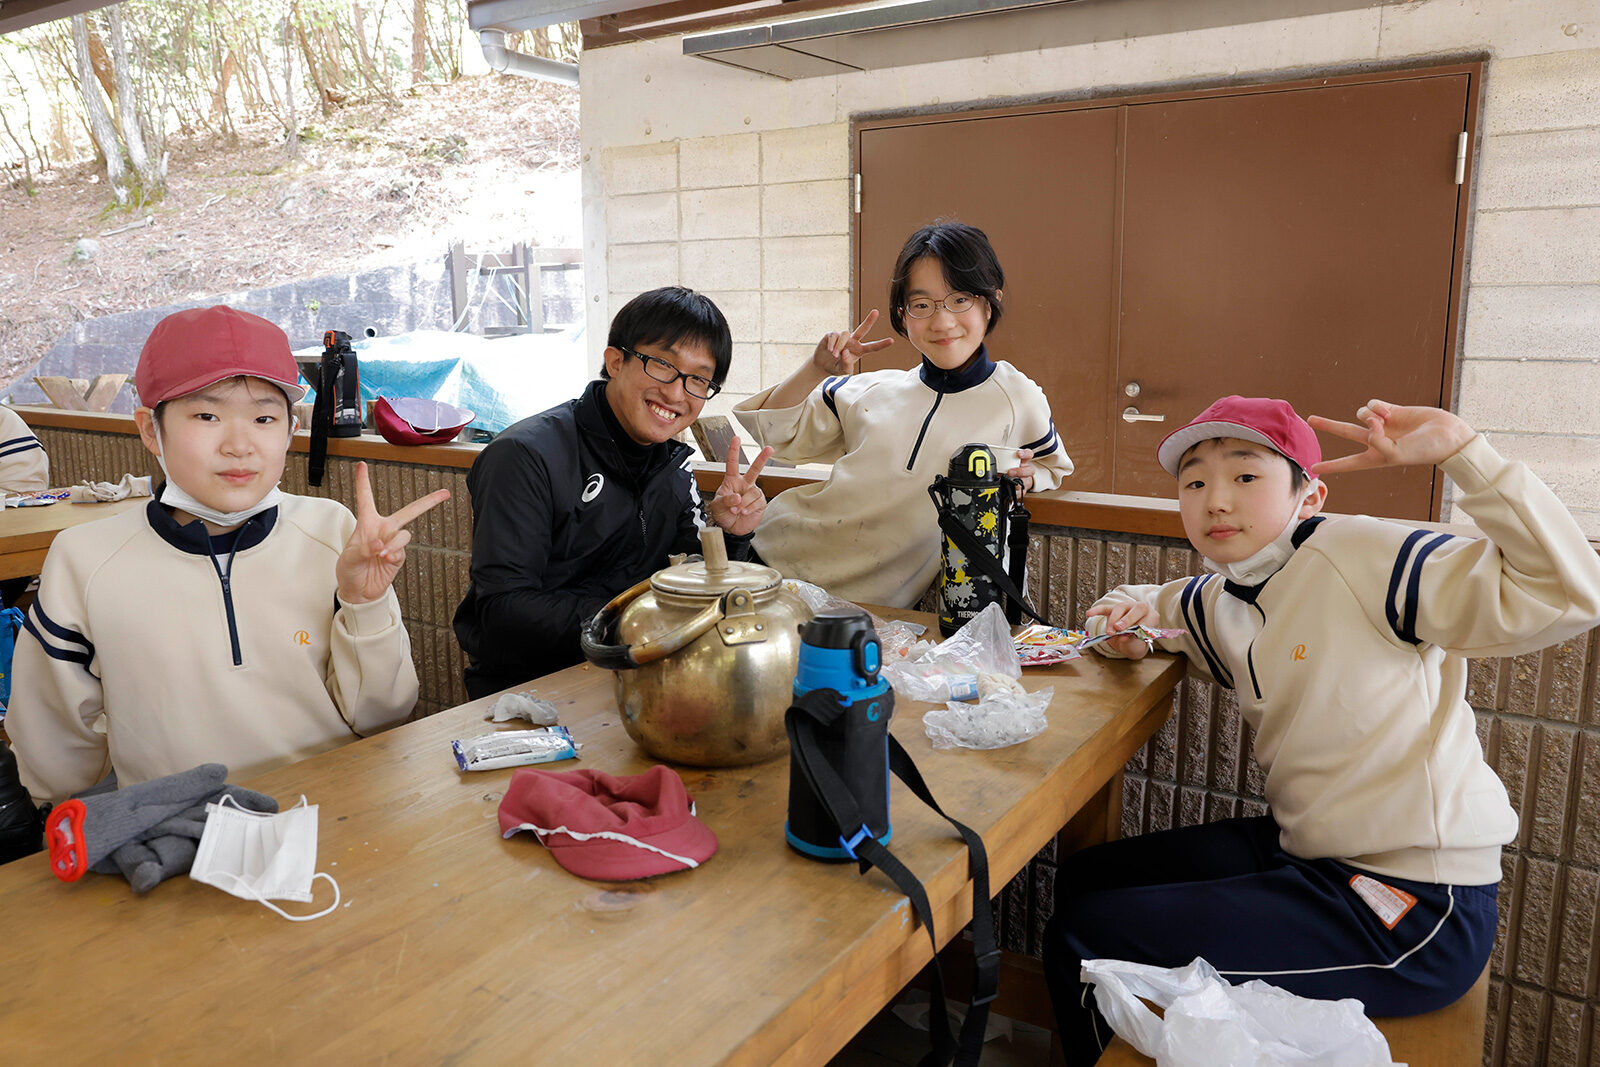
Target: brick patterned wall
(1539,722)
(430,585)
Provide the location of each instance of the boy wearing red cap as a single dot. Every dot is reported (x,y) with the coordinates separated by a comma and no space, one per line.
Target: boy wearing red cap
(227,622)
(1346,639)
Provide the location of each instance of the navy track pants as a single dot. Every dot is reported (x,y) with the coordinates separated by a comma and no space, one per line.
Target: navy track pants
(1226,891)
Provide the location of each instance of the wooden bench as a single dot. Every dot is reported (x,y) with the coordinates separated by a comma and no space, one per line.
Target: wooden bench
(1449,1037)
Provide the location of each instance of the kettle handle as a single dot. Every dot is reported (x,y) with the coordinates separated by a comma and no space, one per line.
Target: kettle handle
(597,633)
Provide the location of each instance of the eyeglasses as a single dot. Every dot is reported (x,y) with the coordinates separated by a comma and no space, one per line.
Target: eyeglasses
(664,372)
(955,303)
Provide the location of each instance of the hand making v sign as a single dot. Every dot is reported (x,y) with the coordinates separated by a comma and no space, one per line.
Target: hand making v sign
(1394,436)
(841,352)
(377,546)
(739,502)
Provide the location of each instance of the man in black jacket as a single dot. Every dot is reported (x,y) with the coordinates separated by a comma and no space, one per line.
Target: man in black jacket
(576,504)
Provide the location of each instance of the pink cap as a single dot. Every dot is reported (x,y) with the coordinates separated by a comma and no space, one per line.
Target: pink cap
(192,349)
(610,829)
(1273,423)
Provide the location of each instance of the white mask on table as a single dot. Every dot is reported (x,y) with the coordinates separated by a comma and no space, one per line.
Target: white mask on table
(261,856)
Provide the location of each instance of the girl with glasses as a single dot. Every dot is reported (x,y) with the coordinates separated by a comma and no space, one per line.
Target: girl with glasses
(870,533)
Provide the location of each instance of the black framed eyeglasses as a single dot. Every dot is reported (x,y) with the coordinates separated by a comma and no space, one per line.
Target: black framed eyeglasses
(664,372)
(955,303)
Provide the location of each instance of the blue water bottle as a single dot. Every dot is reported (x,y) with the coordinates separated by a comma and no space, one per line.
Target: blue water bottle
(838,736)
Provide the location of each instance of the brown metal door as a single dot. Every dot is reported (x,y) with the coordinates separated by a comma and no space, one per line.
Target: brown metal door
(1290,243)
(1043,187)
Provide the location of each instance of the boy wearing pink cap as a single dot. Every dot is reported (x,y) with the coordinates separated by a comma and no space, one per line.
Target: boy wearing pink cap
(227,622)
(1346,639)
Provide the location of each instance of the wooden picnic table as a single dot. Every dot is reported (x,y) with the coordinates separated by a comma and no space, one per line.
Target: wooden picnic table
(454,945)
(26,533)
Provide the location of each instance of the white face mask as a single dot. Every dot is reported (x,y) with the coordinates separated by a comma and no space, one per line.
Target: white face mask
(261,856)
(1267,560)
(174,496)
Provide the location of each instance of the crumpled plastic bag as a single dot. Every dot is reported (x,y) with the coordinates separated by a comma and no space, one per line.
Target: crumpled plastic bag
(976,661)
(522,706)
(896,639)
(993,722)
(1210,1023)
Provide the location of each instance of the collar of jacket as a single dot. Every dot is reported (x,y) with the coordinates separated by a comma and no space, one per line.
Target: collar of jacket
(591,415)
(974,373)
(193,538)
(1248,593)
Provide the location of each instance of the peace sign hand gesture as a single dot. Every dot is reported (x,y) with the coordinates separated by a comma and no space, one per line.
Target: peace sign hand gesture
(739,502)
(1394,436)
(377,546)
(839,353)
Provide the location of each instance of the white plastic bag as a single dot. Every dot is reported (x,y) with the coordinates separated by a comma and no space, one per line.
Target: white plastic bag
(994,722)
(1210,1023)
(975,661)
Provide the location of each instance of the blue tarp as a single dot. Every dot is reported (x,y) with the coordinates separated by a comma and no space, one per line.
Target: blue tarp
(500,379)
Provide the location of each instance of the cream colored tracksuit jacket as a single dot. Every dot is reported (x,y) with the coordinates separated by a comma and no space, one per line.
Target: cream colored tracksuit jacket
(1351,665)
(24,467)
(137,656)
(870,532)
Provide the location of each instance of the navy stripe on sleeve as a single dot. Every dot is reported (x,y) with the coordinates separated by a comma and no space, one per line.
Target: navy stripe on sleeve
(81,655)
(1408,626)
(1050,439)
(830,387)
(1391,603)
(1194,613)
(25,438)
(30,446)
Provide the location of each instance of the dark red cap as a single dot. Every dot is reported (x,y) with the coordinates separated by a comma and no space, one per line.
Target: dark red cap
(408,420)
(192,349)
(610,829)
(1273,423)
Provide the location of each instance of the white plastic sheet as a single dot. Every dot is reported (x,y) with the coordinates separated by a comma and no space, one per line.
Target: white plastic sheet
(1210,1023)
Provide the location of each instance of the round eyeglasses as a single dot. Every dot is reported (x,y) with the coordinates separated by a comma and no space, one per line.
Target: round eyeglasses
(664,372)
(955,303)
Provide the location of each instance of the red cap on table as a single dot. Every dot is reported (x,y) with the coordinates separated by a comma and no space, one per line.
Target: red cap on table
(609,828)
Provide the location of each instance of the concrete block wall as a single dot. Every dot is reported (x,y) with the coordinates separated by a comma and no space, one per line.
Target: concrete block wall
(718,178)
(759,222)
(1539,724)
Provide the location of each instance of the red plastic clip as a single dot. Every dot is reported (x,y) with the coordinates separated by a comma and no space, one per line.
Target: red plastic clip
(63,831)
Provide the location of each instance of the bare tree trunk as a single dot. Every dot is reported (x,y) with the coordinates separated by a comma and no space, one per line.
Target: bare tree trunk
(127,111)
(27,168)
(105,135)
(288,86)
(27,117)
(419,40)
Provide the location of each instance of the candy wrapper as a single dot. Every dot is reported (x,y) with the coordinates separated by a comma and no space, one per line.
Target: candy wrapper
(1148,634)
(39,499)
(1042,646)
(514,748)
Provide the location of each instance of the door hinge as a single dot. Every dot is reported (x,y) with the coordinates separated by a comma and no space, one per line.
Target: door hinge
(1461,159)
(858,192)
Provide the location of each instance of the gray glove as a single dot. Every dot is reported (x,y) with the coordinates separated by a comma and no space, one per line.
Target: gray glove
(147,832)
(168,847)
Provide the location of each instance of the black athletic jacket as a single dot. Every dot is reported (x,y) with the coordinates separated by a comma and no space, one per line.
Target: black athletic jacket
(565,518)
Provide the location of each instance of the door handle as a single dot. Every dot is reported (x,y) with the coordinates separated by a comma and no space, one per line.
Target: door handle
(1131,414)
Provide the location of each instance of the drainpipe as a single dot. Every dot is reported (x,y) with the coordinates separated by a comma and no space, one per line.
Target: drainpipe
(508,61)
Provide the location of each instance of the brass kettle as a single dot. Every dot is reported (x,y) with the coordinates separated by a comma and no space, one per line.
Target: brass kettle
(705,655)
